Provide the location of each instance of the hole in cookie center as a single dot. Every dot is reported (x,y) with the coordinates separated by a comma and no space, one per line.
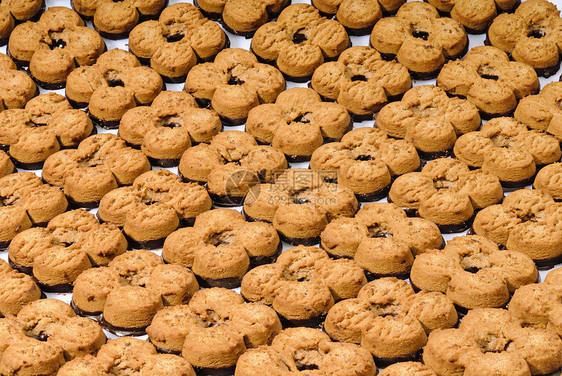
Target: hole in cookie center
(536,34)
(115,83)
(471,269)
(57,43)
(489,77)
(378,231)
(487,72)
(392,314)
(364,158)
(420,34)
(307,367)
(235,81)
(299,37)
(301,119)
(300,200)
(174,38)
(358,77)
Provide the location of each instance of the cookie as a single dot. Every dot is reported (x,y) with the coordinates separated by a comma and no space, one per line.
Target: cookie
(125,355)
(473,272)
(234,84)
(18,87)
(100,164)
(30,356)
(303,284)
(492,341)
(168,127)
(407,369)
(488,79)
(6,165)
(361,81)
(46,125)
(528,221)
(366,161)
(446,192)
(114,20)
(113,85)
(541,111)
(389,320)
(298,123)
(420,39)
(242,17)
(12,12)
(167,365)
(71,242)
(54,46)
(306,351)
(506,148)
(429,119)
(547,180)
(16,291)
(230,165)
(177,41)
(358,16)
(27,202)
(299,41)
(531,35)
(153,207)
(40,318)
(381,239)
(475,15)
(221,246)
(84,366)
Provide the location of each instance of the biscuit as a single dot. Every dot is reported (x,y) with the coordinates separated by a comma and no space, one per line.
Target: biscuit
(16,291)
(541,111)
(12,12)
(18,88)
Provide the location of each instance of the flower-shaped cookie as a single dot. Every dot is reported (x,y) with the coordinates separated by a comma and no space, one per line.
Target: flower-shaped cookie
(24,202)
(358,16)
(447,193)
(100,164)
(16,87)
(47,124)
(492,341)
(116,83)
(16,290)
(230,165)
(306,351)
(381,239)
(168,127)
(303,284)
(365,161)
(389,319)
(507,149)
(298,123)
(420,39)
(429,119)
(54,46)
(71,243)
(540,304)
(242,17)
(234,84)
(361,81)
(488,79)
(474,15)
(114,19)
(528,221)
(473,272)
(130,290)
(300,203)
(221,246)
(542,111)
(153,207)
(15,11)
(177,41)
(300,41)
(214,329)
(532,35)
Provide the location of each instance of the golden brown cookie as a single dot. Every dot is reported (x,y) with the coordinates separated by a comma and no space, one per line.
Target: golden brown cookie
(125,355)
(298,123)
(54,46)
(116,83)
(153,207)
(420,39)
(100,164)
(506,148)
(488,79)
(541,111)
(446,192)
(16,291)
(407,369)
(17,88)
(361,81)
(168,127)
(303,284)
(177,41)
(365,161)
(299,41)
(47,124)
(548,180)
(234,84)
(531,35)
(429,119)
(14,11)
